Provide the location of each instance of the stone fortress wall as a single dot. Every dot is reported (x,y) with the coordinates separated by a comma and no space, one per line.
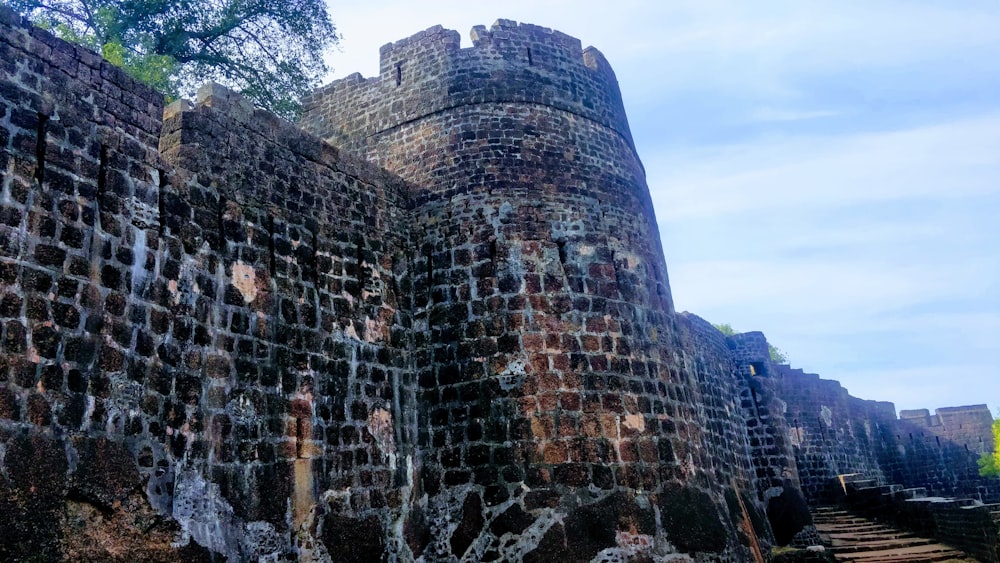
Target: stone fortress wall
(201,320)
(835,433)
(446,333)
(969,426)
(546,306)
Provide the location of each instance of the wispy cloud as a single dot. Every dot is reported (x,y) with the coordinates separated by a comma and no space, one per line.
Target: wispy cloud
(868,257)
(950,160)
(926,386)
(823,171)
(768,113)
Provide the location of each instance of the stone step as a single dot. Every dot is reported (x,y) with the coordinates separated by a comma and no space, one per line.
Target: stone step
(929,553)
(854,544)
(916,492)
(840,528)
(864,484)
(850,537)
(890,534)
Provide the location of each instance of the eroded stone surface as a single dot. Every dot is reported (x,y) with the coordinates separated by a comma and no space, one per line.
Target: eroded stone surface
(220,336)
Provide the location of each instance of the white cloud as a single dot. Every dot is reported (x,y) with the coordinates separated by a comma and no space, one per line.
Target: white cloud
(804,288)
(848,247)
(927,387)
(768,113)
(950,160)
(714,40)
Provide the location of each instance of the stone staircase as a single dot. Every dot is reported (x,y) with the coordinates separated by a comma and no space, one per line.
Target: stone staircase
(853,538)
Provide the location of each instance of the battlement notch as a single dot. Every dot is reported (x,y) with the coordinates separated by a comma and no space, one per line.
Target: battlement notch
(429,72)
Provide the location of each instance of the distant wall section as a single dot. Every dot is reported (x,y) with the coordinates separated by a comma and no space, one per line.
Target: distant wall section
(834,433)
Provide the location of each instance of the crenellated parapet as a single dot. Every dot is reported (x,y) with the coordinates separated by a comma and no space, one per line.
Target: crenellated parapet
(429,72)
(445,334)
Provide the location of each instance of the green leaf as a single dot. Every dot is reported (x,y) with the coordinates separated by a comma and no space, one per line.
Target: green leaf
(724,328)
(777,355)
(272,51)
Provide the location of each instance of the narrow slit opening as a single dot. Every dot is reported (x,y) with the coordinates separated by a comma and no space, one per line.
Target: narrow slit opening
(40,146)
(359,257)
(102,179)
(430,277)
(395,282)
(220,220)
(272,261)
(300,428)
(315,256)
(756,405)
(399,73)
(530,61)
(161,182)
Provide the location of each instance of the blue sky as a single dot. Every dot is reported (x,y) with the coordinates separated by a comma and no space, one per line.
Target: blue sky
(827,172)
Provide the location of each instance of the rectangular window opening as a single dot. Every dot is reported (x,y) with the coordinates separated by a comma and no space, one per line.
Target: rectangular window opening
(102,178)
(315,256)
(430,278)
(161,182)
(300,438)
(40,147)
(272,261)
(359,257)
(221,219)
(756,405)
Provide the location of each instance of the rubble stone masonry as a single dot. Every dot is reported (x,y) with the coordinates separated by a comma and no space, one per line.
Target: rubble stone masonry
(430,322)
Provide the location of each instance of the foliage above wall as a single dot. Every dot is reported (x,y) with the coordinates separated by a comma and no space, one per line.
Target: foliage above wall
(989,463)
(270,50)
(778,356)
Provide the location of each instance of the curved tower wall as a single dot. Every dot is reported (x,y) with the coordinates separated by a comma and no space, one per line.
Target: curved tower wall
(552,376)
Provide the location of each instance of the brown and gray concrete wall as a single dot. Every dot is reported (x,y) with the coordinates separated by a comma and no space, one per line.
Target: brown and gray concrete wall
(305,383)
(833,433)
(940,452)
(205,338)
(222,335)
(772,440)
(553,362)
(78,217)
(970,427)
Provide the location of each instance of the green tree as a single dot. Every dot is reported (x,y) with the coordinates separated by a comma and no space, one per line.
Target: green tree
(989,463)
(777,355)
(271,50)
(724,328)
